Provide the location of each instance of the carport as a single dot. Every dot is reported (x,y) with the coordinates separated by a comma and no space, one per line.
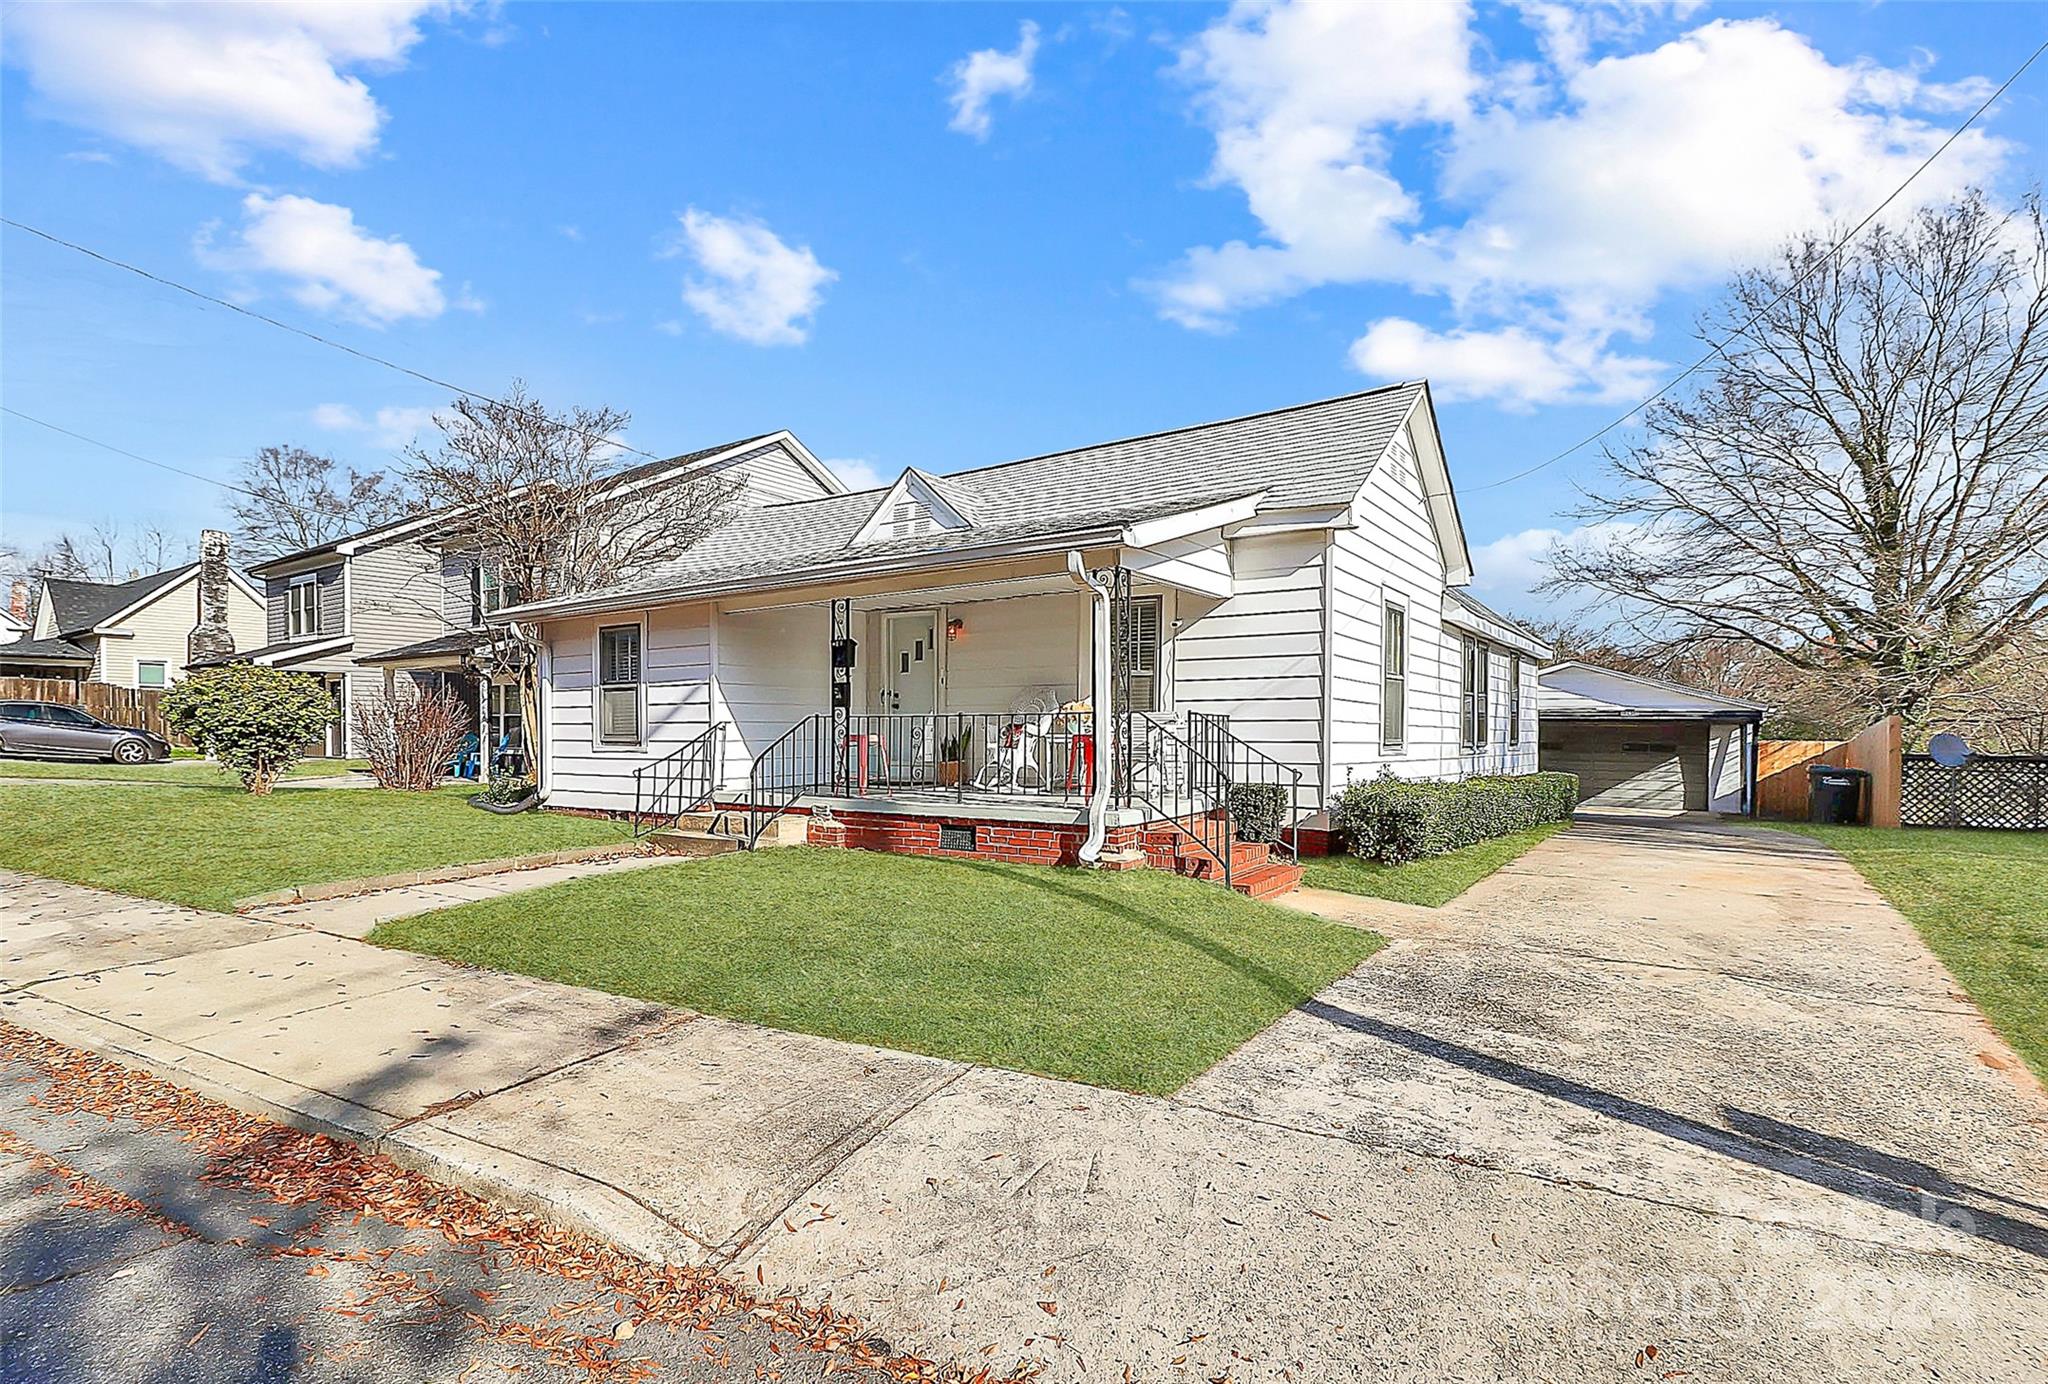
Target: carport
(1644,744)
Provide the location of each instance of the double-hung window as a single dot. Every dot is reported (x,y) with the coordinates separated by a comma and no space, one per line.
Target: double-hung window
(302,606)
(1472,695)
(1143,652)
(1393,676)
(1514,699)
(488,591)
(618,685)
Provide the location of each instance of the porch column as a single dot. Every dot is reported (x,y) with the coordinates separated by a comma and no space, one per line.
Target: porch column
(839,658)
(1108,617)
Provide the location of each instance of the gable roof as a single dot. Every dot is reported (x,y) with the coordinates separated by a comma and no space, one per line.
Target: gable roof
(725,451)
(917,504)
(80,605)
(1303,456)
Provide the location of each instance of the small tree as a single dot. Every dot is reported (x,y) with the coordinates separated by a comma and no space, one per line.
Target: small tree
(256,721)
(410,736)
(542,502)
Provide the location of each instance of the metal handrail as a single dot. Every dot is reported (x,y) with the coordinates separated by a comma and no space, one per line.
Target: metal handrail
(1207,785)
(784,772)
(1248,764)
(681,781)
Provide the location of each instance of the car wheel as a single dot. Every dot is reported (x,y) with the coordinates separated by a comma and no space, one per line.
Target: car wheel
(131,752)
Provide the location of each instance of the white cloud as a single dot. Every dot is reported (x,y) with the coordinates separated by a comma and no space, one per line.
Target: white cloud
(987,73)
(1507,571)
(208,86)
(858,473)
(750,284)
(331,263)
(391,426)
(1511,365)
(1550,204)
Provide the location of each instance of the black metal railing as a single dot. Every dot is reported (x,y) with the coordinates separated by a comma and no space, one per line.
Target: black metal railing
(1049,755)
(681,781)
(795,765)
(1262,795)
(1179,781)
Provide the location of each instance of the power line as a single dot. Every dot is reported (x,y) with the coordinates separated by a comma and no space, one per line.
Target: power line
(1718,347)
(123,451)
(281,325)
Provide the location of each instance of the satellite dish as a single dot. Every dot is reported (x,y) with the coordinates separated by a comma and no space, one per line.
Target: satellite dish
(1948,750)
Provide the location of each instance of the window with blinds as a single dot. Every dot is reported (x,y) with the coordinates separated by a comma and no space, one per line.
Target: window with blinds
(1514,699)
(618,685)
(1393,677)
(302,606)
(1143,653)
(1472,695)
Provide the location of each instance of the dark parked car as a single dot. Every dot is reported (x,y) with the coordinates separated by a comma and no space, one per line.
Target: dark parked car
(51,730)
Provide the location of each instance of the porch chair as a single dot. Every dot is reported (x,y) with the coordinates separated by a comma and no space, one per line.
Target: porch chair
(465,764)
(1019,749)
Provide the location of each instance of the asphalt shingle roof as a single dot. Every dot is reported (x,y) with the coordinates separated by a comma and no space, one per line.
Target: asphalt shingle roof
(1310,454)
(82,604)
(43,651)
(459,642)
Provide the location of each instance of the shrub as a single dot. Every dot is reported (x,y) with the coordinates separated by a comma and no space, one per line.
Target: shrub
(256,721)
(1258,809)
(410,737)
(1392,820)
(505,789)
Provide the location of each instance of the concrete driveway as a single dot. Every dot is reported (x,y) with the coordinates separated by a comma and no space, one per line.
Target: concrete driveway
(1658,1101)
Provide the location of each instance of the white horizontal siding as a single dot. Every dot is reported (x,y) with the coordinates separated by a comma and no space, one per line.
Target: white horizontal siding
(676,703)
(1257,657)
(774,476)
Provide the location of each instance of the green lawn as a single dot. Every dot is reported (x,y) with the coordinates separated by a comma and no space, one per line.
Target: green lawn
(1432,882)
(208,846)
(182,769)
(1136,980)
(1980,899)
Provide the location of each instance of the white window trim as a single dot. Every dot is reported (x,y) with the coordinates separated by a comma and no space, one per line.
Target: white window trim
(303,582)
(1393,600)
(142,663)
(1475,707)
(598,744)
(1514,707)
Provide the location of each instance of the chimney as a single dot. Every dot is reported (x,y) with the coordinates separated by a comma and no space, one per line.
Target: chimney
(17,599)
(211,637)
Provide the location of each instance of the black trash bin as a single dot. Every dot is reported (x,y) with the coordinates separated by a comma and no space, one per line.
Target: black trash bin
(1835,796)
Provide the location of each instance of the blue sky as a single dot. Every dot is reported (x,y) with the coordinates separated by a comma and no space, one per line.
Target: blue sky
(931,235)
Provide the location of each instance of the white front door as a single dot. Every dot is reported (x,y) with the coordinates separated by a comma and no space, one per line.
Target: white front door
(910,689)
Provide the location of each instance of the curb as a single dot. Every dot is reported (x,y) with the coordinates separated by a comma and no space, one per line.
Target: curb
(345,888)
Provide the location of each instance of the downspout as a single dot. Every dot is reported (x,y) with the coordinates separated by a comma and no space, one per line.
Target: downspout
(1099,698)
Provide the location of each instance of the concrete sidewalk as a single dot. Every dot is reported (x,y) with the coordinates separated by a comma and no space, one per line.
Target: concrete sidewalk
(1260,1227)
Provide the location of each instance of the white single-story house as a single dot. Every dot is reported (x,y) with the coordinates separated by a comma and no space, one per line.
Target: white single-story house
(1051,658)
(1643,744)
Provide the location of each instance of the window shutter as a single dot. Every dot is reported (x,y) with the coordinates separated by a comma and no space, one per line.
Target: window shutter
(1144,653)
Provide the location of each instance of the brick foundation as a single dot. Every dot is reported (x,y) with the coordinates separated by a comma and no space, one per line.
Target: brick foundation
(1310,841)
(1024,843)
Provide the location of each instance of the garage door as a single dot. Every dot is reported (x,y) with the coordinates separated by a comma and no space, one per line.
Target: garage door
(1646,765)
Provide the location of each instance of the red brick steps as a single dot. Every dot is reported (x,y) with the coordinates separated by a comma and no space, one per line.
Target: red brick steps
(1253,871)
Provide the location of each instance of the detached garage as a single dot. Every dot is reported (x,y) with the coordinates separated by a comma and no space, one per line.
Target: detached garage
(1643,744)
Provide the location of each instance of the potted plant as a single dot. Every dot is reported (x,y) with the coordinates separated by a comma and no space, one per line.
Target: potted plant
(506,793)
(953,757)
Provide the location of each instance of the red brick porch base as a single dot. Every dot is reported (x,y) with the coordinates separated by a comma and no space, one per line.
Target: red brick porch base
(1026,843)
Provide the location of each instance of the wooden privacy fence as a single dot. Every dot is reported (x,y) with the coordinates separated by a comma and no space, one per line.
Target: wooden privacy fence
(1782,764)
(2006,791)
(123,706)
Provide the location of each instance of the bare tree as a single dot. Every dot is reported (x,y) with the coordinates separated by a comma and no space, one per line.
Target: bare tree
(1861,488)
(410,737)
(542,502)
(299,499)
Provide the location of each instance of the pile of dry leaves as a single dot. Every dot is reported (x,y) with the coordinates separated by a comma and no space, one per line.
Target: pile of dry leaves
(297,1169)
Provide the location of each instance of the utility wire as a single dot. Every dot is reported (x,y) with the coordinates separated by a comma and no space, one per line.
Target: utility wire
(281,325)
(1722,345)
(123,451)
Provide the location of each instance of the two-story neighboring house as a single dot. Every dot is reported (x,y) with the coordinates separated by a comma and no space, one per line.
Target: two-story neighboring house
(142,633)
(403,600)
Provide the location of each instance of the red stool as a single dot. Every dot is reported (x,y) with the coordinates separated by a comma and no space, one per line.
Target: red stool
(862,746)
(1081,754)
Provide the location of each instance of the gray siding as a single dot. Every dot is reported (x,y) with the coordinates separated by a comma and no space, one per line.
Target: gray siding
(333,611)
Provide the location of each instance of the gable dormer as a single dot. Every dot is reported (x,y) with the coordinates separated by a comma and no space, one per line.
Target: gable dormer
(915,506)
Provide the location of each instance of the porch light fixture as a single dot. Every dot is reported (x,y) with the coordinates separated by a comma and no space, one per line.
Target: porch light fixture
(955,627)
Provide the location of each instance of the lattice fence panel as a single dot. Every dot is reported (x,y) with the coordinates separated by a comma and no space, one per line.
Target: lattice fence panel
(2006,792)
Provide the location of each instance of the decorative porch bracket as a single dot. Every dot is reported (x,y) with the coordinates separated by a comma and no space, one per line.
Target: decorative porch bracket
(840,658)
(1118,720)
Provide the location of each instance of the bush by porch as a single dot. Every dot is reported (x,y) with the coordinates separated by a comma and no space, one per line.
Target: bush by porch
(1137,981)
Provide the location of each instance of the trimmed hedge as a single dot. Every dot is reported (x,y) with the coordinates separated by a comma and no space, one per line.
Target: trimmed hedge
(1258,809)
(1392,820)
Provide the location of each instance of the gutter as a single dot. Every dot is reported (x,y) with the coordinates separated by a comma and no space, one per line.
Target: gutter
(1099,699)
